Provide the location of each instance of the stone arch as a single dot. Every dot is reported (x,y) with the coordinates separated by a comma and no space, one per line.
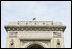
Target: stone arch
(35,46)
(38,43)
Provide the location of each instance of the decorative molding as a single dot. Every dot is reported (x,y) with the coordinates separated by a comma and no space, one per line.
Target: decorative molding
(12,34)
(57,34)
(35,28)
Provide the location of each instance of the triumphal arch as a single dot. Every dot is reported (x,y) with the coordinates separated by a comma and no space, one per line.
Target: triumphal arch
(35,34)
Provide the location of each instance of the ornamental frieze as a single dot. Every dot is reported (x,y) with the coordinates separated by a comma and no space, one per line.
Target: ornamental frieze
(33,28)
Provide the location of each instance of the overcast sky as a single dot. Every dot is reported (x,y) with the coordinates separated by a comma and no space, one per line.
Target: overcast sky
(57,11)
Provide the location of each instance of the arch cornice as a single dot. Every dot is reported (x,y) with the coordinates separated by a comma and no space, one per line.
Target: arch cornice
(35,28)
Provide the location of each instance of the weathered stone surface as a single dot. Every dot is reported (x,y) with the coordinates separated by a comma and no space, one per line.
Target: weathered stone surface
(44,33)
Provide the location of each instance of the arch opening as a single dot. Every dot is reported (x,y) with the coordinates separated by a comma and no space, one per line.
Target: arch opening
(35,46)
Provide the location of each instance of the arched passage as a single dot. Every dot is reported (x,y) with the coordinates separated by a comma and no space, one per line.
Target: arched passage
(35,46)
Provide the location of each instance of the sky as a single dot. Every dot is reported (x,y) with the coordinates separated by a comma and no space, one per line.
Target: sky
(57,11)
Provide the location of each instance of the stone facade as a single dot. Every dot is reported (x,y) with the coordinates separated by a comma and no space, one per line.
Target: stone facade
(26,34)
